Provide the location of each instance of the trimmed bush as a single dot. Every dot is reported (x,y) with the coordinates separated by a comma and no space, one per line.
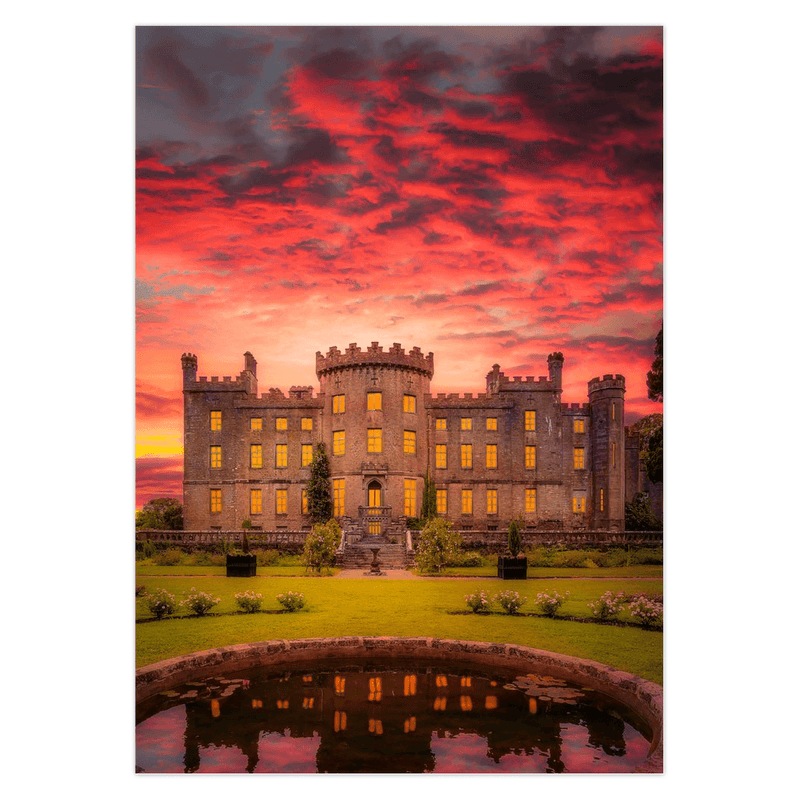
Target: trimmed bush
(510,601)
(292,601)
(161,603)
(168,558)
(479,601)
(550,603)
(608,606)
(648,612)
(200,603)
(249,601)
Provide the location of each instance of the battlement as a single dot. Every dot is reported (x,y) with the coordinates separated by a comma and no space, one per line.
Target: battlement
(575,409)
(467,400)
(301,392)
(214,384)
(607,382)
(375,355)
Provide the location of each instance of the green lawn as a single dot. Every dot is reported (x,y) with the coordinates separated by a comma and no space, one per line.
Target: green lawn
(636,571)
(151,570)
(401,608)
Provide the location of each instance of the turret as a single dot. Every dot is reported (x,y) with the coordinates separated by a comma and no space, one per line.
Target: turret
(189,364)
(248,376)
(555,365)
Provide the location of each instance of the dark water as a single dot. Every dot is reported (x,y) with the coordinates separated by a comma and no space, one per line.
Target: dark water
(370,718)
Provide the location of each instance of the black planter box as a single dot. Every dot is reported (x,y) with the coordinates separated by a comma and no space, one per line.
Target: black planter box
(512,569)
(240,566)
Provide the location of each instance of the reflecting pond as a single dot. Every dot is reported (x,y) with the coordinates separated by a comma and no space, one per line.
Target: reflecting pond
(407,717)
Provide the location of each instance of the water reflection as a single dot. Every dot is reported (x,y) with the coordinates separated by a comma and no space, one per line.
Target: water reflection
(372,719)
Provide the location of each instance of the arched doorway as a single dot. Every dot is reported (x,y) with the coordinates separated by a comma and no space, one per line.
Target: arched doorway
(374,503)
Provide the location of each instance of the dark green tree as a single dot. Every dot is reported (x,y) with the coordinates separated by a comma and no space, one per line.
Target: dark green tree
(655,378)
(318,488)
(514,539)
(654,457)
(160,514)
(428,499)
(639,515)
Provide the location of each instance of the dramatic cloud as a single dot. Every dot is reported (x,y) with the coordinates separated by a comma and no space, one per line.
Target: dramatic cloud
(299,188)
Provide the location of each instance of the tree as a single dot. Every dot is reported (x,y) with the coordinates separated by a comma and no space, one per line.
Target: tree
(429,499)
(655,378)
(160,514)
(318,488)
(639,515)
(438,542)
(321,544)
(654,456)
(514,539)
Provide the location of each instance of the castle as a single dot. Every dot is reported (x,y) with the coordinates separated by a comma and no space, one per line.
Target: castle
(515,452)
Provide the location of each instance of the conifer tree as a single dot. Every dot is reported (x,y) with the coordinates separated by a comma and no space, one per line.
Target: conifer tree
(429,499)
(318,488)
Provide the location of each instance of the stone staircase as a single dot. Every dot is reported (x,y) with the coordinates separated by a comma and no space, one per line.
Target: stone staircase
(359,555)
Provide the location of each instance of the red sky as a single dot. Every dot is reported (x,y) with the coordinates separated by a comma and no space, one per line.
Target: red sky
(488,194)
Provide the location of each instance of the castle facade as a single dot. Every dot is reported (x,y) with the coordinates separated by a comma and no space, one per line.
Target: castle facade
(513,452)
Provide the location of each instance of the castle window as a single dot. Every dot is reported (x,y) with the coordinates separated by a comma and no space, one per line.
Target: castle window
(304,501)
(613,411)
(255,423)
(409,404)
(441,456)
(466,501)
(530,499)
(441,423)
(409,442)
(338,497)
(530,457)
(466,456)
(491,423)
(578,458)
(281,455)
(281,424)
(374,440)
(580,426)
(280,501)
(255,501)
(530,420)
(491,456)
(613,454)
(410,497)
(441,501)
(601,500)
(466,423)
(216,420)
(216,501)
(306,424)
(409,685)
(306,454)
(338,404)
(578,503)
(491,501)
(216,456)
(374,401)
(256,457)
(338,443)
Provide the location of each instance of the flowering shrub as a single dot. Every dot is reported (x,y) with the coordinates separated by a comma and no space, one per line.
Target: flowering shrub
(200,602)
(510,601)
(249,601)
(479,601)
(550,603)
(161,603)
(647,611)
(608,606)
(292,601)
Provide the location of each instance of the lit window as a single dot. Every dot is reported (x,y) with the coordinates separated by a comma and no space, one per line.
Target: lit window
(530,456)
(256,457)
(374,401)
(280,501)
(530,420)
(441,456)
(409,685)
(409,404)
(306,454)
(256,423)
(281,424)
(580,426)
(216,456)
(466,456)
(255,501)
(601,500)
(338,443)
(441,501)
(281,455)
(441,424)
(578,458)
(374,440)
(409,442)
(338,404)
(613,411)
(410,497)
(339,684)
(491,423)
(216,501)
(491,456)
(304,501)
(613,454)
(466,501)
(466,423)
(306,424)
(216,420)
(491,501)
(339,721)
(338,497)
(578,503)
(410,724)
(530,499)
